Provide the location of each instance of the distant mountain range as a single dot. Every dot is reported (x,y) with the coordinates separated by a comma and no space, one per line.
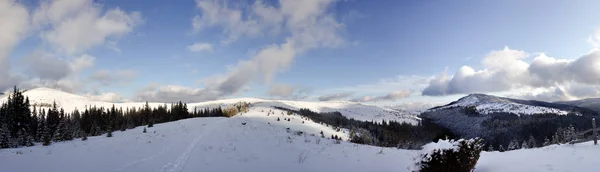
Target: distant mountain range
(591,103)
(45,97)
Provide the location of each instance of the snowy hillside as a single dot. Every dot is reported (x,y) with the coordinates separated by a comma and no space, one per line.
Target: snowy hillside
(44,97)
(486,104)
(212,144)
(262,144)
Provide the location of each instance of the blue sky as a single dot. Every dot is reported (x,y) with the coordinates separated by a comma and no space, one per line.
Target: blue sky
(375,51)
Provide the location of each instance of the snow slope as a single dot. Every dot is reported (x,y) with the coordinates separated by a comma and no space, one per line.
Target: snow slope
(262,144)
(581,157)
(486,104)
(70,102)
(212,144)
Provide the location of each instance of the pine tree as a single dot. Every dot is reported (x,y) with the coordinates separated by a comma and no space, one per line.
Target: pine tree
(61,131)
(4,136)
(40,128)
(491,148)
(524,145)
(511,145)
(109,134)
(532,143)
(46,136)
(547,142)
(501,148)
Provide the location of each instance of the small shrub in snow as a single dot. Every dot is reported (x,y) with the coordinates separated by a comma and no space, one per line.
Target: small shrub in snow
(302,157)
(490,148)
(144,130)
(450,155)
(109,134)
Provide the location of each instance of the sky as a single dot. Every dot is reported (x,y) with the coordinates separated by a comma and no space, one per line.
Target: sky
(405,53)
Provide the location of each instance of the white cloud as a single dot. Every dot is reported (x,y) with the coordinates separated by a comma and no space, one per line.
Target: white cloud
(15,25)
(199,47)
(82,62)
(71,27)
(307,26)
(412,106)
(106,97)
(173,93)
(219,13)
(508,70)
(293,92)
(594,39)
(281,90)
(504,70)
(74,26)
(47,66)
(66,84)
(393,96)
(106,77)
(336,96)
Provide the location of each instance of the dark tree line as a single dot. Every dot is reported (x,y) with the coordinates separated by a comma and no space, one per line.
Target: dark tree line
(535,130)
(384,133)
(508,131)
(22,126)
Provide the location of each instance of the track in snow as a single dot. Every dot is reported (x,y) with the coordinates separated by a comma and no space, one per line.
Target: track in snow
(181,161)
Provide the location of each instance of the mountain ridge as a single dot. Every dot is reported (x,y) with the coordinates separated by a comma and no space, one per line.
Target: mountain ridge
(44,97)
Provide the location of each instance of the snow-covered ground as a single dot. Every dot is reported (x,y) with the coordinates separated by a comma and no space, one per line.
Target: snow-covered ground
(581,157)
(486,104)
(262,144)
(70,102)
(212,144)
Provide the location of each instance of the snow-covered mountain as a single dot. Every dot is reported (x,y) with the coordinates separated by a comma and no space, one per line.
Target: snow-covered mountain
(44,97)
(487,104)
(492,117)
(590,103)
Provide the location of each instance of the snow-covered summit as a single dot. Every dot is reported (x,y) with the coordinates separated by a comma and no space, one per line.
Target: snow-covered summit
(487,104)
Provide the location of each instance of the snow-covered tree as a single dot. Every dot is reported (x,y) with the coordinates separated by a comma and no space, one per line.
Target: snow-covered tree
(547,142)
(512,145)
(461,155)
(524,145)
(531,142)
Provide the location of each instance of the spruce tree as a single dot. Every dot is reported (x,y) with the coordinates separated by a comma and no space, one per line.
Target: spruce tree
(546,142)
(524,145)
(46,136)
(4,136)
(532,143)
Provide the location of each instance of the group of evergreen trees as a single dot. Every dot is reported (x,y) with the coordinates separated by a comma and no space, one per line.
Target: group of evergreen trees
(22,126)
